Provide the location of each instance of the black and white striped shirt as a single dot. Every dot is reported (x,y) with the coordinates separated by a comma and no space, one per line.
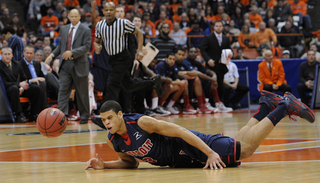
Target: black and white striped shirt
(114,36)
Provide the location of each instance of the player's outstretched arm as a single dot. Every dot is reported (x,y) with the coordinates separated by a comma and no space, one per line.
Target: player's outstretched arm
(124,162)
(152,125)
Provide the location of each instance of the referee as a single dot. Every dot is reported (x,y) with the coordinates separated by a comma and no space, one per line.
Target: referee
(114,34)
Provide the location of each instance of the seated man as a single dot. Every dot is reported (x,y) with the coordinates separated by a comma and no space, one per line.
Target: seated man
(231,83)
(167,144)
(306,76)
(264,36)
(34,74)
(15,82)
(169,73)
(271,74)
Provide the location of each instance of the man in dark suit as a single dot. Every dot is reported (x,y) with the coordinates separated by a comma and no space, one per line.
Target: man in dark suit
(211,50)
(74,67)
(34,74)
(15,82)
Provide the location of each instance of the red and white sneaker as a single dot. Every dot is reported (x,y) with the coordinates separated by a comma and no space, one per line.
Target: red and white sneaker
(73,115)
(189,110)
(204,110)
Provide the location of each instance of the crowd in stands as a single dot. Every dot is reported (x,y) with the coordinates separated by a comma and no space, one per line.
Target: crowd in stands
(182,31)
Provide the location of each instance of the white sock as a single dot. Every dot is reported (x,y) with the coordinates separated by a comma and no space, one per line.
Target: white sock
(155,102)
(171,103)
(145,103)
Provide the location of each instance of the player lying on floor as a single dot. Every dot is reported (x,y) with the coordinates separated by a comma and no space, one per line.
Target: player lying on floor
(135,136)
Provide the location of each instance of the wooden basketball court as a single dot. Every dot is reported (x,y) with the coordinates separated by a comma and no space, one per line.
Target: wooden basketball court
(291,153)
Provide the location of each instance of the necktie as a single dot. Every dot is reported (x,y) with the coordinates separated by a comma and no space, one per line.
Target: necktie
(32,71)
(70,39)
(270,68)
(219,40)
(10,68)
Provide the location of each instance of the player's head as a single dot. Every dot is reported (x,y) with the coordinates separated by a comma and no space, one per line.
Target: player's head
(112,117)
(7,32)
(192,53)
(109,11)
(170,59)
(180,54)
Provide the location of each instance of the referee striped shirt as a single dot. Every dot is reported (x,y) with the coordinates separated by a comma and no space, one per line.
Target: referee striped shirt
(114,36)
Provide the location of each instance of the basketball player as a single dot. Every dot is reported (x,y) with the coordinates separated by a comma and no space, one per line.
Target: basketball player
(161,143)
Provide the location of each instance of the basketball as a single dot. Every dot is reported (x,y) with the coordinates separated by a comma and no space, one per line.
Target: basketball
(51,122)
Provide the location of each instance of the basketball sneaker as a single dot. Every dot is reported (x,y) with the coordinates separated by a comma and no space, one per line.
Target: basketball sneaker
(271,99)
(189,110)
(208,106)
(222,107)
(160,112)
(296,107)
(172,110)
(204,110)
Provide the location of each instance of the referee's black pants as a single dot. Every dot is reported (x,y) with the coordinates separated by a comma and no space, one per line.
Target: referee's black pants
(120,76)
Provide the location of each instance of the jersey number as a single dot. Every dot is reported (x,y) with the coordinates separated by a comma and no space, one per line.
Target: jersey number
(149,160)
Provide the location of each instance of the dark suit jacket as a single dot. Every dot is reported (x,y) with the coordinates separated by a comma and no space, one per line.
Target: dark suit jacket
(12,78)
(210,48)
(81,45)
(37,67)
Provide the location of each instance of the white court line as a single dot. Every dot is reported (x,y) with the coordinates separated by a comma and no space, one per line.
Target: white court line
(52,147)
(16,126)
(305,142)
(265,162)
(290,149)
(52,162)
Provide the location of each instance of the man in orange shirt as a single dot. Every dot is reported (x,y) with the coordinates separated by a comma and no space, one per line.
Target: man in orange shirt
(300,8)
(271,74)
(49,23)
(264,36)
(255,17)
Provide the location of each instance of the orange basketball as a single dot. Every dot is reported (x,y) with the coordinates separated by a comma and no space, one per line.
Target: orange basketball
(51,122)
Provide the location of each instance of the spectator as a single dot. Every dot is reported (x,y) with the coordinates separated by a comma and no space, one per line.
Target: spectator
(306,76)
(34,14)
(17,26)
(163,42)
(71,4)
(46,41)
(300,8)
(255,17)
(195,31)
(265,36)
(34,75)
(240,55)
(233,39)
(291,43)
(282,11)
(47,51)
(231,83)
(88,20)
(38,44)
(148,22)
(245,38)
(87,7)
(6,17)
(209,17)
(163,19)
(272,25)
(14,42)
(178,35)
(238,17)
(269,15)
(234,30)
(262,10)
(271,74)
(314,48)
(211,49)
(220,12)
(45,6)
(286,54)
(15,82)
(59,9)
(49,23)
(184,24)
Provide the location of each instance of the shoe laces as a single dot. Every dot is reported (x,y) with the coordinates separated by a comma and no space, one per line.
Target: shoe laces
(290,113)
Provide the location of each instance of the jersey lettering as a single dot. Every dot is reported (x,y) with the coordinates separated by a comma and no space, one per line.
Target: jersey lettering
(149,160)
(143,150)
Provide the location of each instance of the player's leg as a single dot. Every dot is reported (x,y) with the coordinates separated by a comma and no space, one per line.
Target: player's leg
(188,109)
(198,91)
(179,87)
(288,105)
(268,102)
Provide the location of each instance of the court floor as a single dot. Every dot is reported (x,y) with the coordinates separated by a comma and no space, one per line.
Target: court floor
(291,153)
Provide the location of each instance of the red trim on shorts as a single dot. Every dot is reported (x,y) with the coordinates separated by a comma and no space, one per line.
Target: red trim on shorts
(131,122)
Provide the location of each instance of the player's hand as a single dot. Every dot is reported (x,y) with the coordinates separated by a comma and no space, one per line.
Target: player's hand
(211,63)
(214,161)
(95,163)
(97,48)
(66,55)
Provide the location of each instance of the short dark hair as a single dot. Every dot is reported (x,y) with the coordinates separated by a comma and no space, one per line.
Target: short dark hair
(170,53)
(192,48)
(136,16)
(179,48)
(310,50)
(218,22)
(8,29)
(110,105)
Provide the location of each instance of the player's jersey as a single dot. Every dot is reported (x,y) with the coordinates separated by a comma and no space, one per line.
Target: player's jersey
(164,70)
(162,150)
(194,65)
